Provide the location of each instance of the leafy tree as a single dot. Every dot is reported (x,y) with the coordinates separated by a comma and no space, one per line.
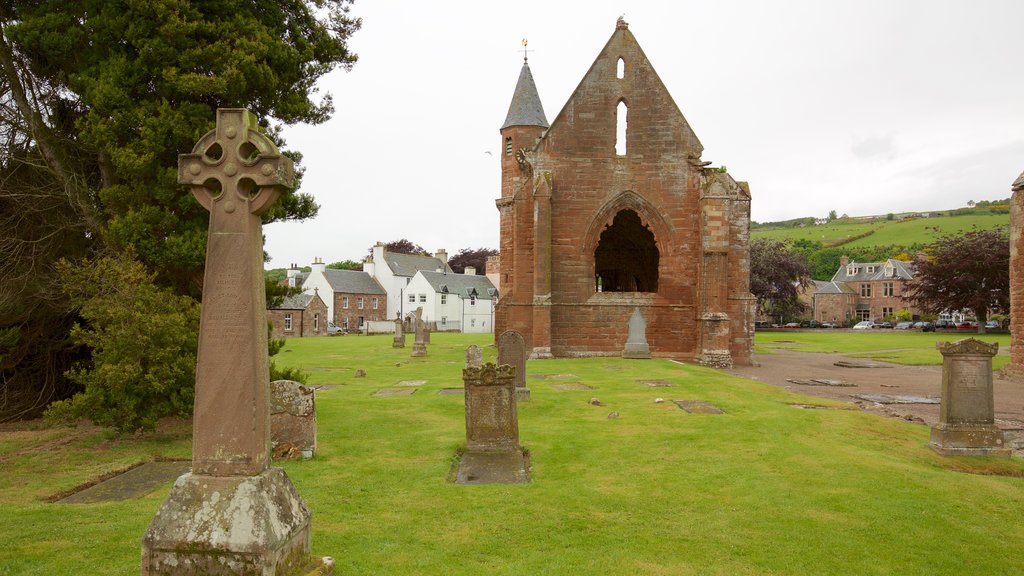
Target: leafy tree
(475,257)
(832,215)
(143,340)
(346,265)
(970,271)
(404,246)
(775,275)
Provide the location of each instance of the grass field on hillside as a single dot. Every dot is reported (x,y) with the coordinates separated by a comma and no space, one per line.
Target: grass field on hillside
(765,488)
(886,232)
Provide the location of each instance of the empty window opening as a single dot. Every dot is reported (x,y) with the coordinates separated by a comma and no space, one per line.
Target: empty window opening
(620,69)
(626,258)
(508,145)
(620,128)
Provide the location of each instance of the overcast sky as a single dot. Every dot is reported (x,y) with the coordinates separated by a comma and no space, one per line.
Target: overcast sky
(863,107)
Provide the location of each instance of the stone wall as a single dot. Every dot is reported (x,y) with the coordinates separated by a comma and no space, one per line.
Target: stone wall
(309,322)
(352,312)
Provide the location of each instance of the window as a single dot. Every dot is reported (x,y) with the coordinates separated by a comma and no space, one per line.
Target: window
(344,302)
(444,320)
(620,128)
(865,290)
(472,322)
(863,315)
(376,304)
(423,297)
(344,323)
(508,145)
(444,298)
(851,270)
(288,322)
(316,322)
(359,302)
(626,258)
(620,68)
(870,270)
(886,311)
(412,298)
(887,289)
(361,321)
(472,300)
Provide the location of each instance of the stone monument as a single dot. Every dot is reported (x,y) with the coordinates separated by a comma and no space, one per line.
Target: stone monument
(512,351)
(636,342)
(474,356)
(493,454)
(232,514)
(967,415)
(292,420)
(419,343)
(399,341)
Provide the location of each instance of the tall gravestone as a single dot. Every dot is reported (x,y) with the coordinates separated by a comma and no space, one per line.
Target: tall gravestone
(419,343)
(636,342)
(292,420)
(399,340)
(232,514)
(493,454)
(474,356)
(967,414)
(512,351)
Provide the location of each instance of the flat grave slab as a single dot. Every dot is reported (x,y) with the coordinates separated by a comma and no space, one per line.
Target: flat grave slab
(387,392)
(452,391)
(698,407)
(821,382)
(858,364)
(411,383)
(896,399)
(614,367)
(134,483)
(571,387)
(656,383)
(497,467)
(553,376)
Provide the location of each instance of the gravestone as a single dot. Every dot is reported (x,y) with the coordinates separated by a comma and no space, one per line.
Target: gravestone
(967,413)
(419,343)
(474,356)
(426,332)
(512,351)
(493,454)
(636,342)
(399,341)
(292,420)
(232,513)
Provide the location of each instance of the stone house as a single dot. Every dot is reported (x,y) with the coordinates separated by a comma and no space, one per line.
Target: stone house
(450,301)
(299,315)
(610,208)
(353,297)
(395,270)
(863,291)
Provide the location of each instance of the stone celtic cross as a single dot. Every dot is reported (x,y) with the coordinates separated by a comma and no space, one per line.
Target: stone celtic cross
(236,172)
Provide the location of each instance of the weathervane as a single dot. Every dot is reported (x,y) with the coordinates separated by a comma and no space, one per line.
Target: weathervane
(525,42)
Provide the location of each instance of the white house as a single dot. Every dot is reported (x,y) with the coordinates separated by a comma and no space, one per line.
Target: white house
(463,302)
(394,271)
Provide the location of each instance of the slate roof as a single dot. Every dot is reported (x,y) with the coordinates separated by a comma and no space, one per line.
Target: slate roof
(525,108)
(823,287)
(460,284)
(898,270)
(294,302)
(410,264)
(353,282)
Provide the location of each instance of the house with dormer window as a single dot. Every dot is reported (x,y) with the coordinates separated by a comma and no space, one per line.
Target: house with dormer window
(453,302)
(863,291)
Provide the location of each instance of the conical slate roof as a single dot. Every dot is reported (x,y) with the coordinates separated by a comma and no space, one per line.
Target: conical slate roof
(525,109)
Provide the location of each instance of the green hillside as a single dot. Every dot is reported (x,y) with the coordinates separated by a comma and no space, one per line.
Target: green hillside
(882,232)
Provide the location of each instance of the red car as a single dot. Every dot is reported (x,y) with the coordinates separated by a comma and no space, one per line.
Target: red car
(967,326)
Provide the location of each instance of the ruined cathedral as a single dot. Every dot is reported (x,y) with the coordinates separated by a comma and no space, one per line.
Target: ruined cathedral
(609,209)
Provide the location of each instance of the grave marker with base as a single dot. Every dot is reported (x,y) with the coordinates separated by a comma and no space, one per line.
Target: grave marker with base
(967,414)
(636,342)
(493,454)
(419,343)
(232,514)
(399,340)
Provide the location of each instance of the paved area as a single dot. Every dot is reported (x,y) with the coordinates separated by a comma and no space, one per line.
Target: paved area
(134,483)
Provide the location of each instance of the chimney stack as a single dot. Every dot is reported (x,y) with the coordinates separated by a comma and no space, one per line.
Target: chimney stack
(470,271)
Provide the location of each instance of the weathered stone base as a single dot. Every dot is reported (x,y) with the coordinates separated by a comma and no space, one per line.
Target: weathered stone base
(522,394)
(636,350)
(715,359)
(493,467)
(541,353)
(964,440)
(419,349)
(229,525)
(398,342)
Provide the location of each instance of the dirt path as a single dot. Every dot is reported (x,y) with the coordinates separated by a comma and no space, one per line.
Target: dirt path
(891,379)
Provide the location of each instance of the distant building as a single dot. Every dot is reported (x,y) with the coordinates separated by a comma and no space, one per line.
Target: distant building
(353,297)
(394,270)
(299,315)
(863,291)
(450,301)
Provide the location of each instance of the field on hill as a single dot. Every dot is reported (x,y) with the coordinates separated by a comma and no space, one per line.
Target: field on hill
(764,488)
(885,232)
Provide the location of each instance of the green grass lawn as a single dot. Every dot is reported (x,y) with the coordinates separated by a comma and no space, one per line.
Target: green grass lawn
(765,488)
(887,232)
(896,346)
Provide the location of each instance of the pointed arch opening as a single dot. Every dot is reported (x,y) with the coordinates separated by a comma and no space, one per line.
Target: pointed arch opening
(626,258)
(620,69)
(621,125)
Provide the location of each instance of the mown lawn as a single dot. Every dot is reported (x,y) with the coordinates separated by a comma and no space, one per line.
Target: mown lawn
(765,488)
(896,346)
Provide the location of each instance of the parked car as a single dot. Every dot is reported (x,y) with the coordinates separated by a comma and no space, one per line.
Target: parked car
(967,326)
(904,326)
(333,330)
(925,326)
(810,324)
(863,325)
(992,325)
(945,325)
(882,325)
(791,325)
(762,324)
(829,325)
